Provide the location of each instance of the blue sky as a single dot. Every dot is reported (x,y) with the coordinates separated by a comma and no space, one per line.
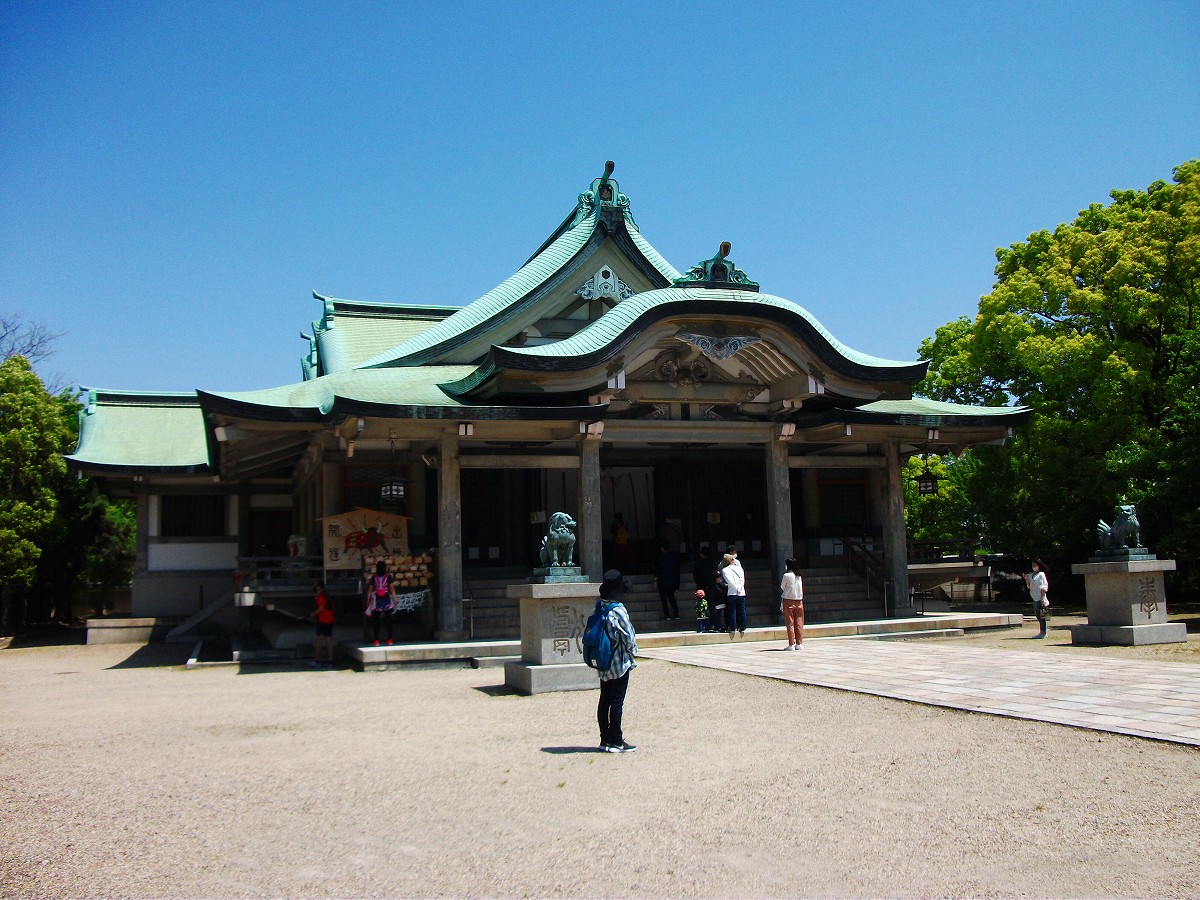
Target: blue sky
(177,178)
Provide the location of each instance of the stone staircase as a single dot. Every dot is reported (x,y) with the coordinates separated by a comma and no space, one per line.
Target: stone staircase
(830,595)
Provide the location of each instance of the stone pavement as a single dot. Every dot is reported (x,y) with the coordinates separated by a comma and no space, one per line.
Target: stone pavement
(1145,699)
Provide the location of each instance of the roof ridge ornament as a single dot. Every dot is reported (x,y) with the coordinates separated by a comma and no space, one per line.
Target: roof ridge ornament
(604,196)
(718,272)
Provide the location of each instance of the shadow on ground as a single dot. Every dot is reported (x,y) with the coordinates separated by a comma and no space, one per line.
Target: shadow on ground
(50,634)
(150,656)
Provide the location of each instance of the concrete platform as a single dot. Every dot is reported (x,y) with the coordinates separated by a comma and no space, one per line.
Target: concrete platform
(1130,635)
(371,658)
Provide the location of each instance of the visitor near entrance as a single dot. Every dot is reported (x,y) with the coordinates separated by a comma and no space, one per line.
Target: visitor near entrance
(735,586)
(323,615)
(792,591)
(614,681)
(701,611)
(1039,593)
(620,539)
(382,603)
(666,579)
(704,573)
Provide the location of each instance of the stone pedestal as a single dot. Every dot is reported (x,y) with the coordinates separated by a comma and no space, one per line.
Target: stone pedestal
(1127,603)
(552,620)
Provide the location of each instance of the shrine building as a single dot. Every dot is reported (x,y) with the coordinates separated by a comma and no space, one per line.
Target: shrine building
(597,380)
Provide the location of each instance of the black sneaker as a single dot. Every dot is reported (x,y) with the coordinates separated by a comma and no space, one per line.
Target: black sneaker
(623,747)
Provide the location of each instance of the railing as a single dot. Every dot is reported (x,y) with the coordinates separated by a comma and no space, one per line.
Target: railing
(870,565)
(941,551)
(267,573)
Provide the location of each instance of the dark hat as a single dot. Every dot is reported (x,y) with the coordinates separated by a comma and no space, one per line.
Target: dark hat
(731,549)
(613,585)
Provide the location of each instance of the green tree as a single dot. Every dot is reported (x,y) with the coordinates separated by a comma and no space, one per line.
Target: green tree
(1093,326)
(33,438)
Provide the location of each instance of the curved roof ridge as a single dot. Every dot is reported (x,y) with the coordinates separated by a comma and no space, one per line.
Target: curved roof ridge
(614,322)
(652,256)
(478,311)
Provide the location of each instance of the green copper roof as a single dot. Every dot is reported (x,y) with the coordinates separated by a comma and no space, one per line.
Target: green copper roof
(630,316)
(396,387)
(601,210)
(919,406)
(351,332)
(396,392)
(134,431)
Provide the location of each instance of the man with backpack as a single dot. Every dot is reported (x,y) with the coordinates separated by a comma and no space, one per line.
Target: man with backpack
(614,678)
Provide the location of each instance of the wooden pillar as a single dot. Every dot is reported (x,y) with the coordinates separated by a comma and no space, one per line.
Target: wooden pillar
(895,542)
(144,527)
(591,540)
(449,573)
(779,509)
(242,498)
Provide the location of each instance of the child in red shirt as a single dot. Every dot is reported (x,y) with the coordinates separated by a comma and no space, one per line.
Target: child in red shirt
(324,616)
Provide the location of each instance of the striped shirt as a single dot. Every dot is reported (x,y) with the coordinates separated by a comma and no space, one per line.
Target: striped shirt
(624,643)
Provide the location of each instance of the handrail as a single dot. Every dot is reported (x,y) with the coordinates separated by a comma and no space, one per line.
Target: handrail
(941,551)
(870,564)
(258,572)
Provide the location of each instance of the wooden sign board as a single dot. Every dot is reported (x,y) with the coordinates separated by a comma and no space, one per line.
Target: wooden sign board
(347,536)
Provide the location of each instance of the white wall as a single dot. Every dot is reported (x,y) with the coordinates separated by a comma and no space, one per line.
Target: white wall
(191,556)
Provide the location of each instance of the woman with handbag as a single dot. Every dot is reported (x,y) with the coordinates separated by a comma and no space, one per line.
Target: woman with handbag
(1039,593)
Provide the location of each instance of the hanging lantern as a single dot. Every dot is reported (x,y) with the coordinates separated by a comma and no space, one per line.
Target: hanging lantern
(926,484)
(391,490)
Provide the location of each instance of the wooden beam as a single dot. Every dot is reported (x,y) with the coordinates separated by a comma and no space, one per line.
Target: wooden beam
(518,461)
(837,462)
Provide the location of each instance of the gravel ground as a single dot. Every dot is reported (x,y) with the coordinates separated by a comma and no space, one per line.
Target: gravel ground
(124,775)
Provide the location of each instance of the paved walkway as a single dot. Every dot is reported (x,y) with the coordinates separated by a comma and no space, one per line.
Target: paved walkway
(1154,700)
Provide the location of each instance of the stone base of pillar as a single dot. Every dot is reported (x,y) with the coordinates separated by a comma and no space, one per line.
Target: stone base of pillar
(1127,603)
(1130,635)
(447,637)
(552,621)
(530,678)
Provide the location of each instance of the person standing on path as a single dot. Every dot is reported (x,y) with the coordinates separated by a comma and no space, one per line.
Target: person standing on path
(735,586)
(614,681)
(666,579)
(792,590)
(1039,591)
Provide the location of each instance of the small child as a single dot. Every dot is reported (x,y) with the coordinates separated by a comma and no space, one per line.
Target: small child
(701,610)
(324,638)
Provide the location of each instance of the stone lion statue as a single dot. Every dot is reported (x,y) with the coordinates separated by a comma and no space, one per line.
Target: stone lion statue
(1125,530)
(558,546)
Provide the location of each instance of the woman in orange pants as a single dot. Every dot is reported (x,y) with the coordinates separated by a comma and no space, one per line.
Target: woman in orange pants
(792,588)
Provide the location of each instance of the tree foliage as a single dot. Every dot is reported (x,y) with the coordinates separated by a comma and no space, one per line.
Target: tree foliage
(58,533)
(1093,326)
(33,437)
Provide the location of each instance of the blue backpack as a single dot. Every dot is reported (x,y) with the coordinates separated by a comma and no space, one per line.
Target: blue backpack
(597,645)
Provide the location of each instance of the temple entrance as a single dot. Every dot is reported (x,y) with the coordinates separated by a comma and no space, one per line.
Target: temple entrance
(497,531)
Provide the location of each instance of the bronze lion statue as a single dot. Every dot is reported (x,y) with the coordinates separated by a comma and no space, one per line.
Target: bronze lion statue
(558,546)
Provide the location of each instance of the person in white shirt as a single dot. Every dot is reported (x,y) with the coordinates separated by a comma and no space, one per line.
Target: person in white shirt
(792,590)
(1039,590)
(735,584)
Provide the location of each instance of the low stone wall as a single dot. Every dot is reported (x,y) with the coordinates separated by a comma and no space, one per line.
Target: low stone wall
(128,630)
